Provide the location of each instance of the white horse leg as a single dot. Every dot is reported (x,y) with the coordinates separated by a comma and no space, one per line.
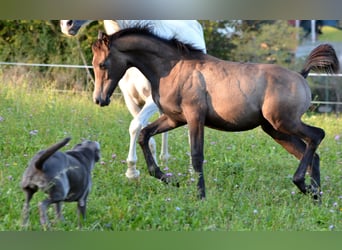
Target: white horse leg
(164,152)
(134,130)
(152,144)
(140,121)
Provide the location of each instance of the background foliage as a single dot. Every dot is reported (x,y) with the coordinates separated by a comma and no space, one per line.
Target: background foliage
(37,41)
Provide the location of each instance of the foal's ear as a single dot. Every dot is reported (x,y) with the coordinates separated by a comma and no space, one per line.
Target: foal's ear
(103,37)
(100,35)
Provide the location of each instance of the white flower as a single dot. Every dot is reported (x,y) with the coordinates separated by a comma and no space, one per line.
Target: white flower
(34,132)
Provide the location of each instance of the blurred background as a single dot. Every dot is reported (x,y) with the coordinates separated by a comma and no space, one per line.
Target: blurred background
(283,42)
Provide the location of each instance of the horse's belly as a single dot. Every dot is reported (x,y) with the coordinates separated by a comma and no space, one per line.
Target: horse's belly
(237,119)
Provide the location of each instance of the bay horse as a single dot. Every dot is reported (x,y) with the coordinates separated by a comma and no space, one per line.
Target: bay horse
(135,88)
(194,88)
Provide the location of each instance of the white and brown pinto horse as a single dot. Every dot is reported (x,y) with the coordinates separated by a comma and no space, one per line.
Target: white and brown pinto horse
(136,89)
(197,89)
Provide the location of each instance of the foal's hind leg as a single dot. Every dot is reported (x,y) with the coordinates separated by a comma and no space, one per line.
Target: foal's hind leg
(309,160)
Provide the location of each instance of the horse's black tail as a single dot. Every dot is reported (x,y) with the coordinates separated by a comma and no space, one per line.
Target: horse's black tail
(45,154)
(322,59)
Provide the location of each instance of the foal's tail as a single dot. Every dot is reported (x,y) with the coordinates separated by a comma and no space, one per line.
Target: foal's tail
(45,154)
(322,59)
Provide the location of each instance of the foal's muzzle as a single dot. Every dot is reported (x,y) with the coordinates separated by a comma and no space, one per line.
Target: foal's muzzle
(101,102)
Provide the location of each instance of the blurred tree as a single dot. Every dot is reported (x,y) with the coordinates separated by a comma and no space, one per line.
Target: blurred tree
(264,41)
(41,41)
(217,36)
(267,42)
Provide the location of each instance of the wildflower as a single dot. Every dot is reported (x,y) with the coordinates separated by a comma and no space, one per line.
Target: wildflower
(335,204)
(178,208)
(255,211)
(168,174)
(34,132)
(168,199)
(166,169)
(102,162)
(192,179)
(1,119)
(337,137)
(113,156)
(331,227)
(293,192)
(179,174)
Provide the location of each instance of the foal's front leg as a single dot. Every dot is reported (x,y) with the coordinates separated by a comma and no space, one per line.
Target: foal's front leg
(162,124)
(196,133)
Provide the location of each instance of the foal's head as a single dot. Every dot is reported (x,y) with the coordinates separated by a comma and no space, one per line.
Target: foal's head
(107,75)
(139,47)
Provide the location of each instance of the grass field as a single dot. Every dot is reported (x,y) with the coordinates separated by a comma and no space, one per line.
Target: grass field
(248,176)
(330,34)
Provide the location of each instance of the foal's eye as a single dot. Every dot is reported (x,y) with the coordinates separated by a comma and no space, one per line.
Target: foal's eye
(102,66)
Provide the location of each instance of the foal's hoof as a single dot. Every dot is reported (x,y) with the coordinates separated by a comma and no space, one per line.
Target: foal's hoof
(169,180)
(315,193)
(132,174)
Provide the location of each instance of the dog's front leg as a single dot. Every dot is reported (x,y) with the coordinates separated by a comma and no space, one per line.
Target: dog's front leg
(43,206)
(59,211)
(81,208)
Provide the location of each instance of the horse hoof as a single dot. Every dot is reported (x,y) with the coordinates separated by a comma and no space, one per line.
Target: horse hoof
(132,174)
(315,193)
(170,180)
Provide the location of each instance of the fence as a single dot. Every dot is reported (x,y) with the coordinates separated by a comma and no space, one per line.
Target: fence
(326,108)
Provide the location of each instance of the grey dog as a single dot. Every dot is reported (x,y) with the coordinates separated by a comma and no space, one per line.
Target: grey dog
(64,176)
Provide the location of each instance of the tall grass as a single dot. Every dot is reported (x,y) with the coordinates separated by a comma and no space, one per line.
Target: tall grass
(248,176)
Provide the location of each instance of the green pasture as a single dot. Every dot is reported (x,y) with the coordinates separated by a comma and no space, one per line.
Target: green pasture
(248,176)
(330,34)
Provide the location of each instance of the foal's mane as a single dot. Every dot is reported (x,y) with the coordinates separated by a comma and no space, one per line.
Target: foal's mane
(147,30)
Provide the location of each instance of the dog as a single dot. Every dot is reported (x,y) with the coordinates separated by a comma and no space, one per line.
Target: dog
(64,176)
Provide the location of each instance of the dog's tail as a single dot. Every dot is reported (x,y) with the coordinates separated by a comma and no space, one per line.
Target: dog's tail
(45,154)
